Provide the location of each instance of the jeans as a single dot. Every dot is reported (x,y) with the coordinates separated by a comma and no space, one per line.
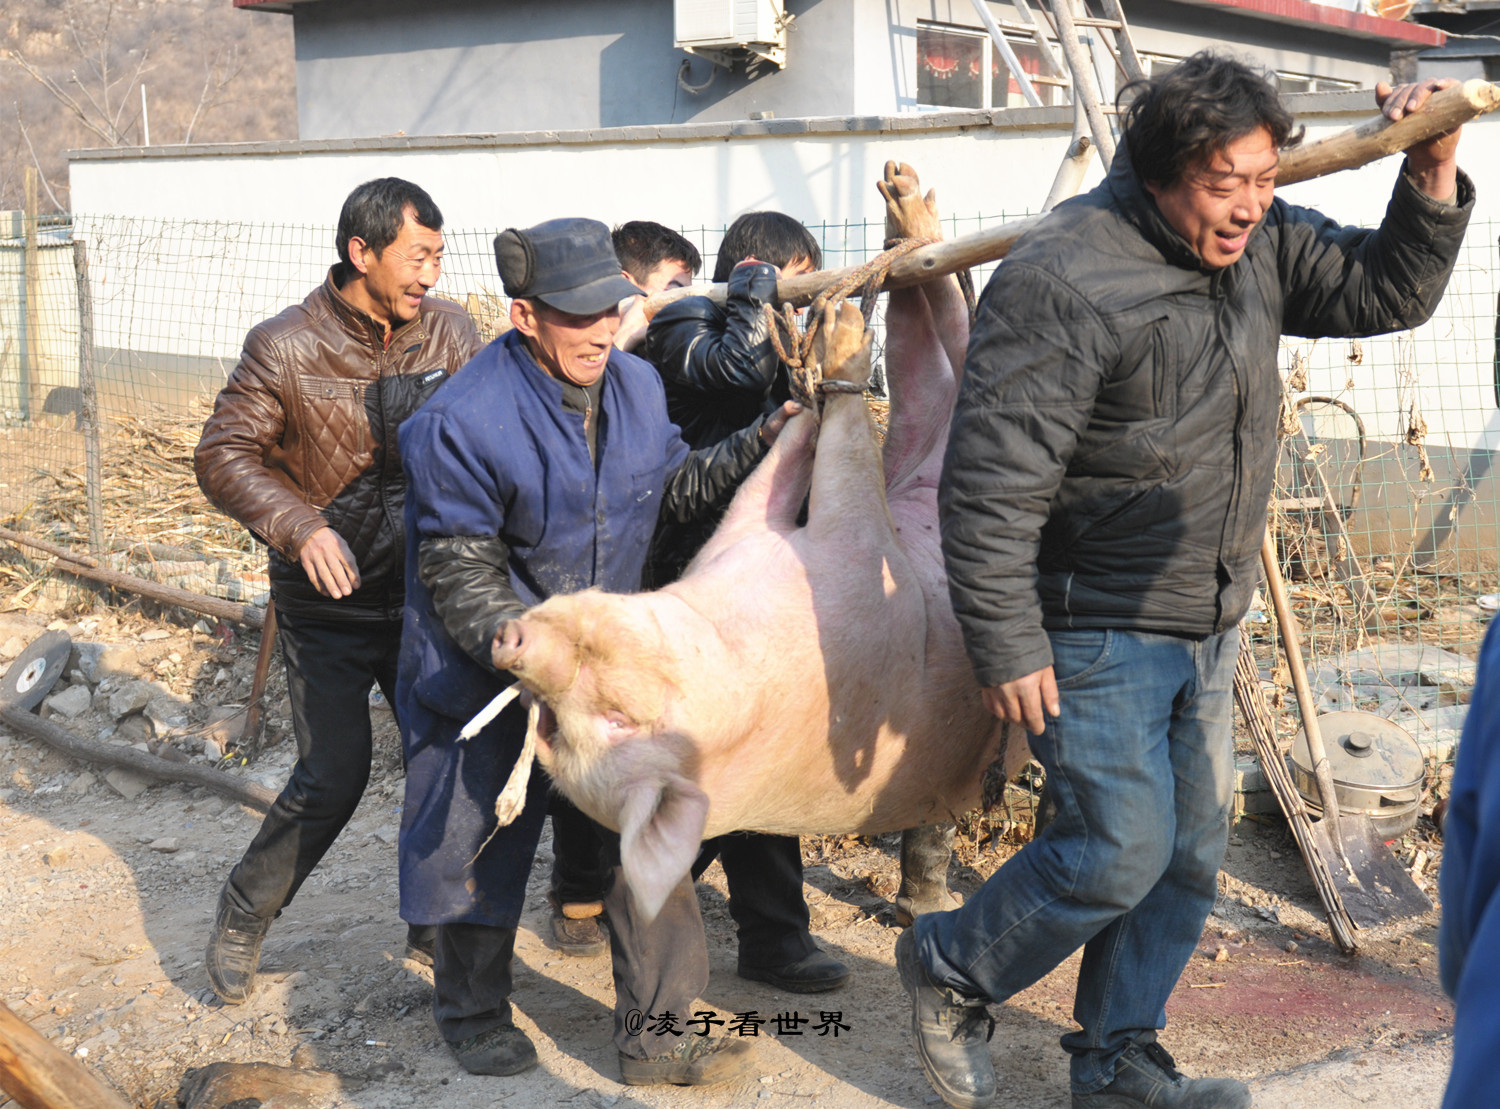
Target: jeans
(1141,764)
(330,665)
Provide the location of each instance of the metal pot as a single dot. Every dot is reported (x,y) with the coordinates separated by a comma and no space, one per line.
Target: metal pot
(1377,770)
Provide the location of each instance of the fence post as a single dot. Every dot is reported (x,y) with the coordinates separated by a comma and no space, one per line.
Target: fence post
(31,386)
(93,486)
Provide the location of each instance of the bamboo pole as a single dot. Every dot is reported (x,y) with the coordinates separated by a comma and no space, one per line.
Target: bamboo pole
(40,1075)
(1348,149)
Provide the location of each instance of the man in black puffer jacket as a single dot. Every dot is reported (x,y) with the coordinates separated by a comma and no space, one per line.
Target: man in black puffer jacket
(1102,507)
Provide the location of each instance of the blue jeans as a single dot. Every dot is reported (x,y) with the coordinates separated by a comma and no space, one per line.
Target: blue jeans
(1141,764)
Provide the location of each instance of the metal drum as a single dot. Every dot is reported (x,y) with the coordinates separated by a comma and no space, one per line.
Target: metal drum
(1377,770)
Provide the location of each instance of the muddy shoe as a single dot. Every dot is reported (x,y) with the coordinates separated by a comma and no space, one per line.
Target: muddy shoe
(696,1061)
(1146,1076)
(503,1050)
(934,901)
(925,853)
(233,953)
(952,1034)
(578,928)
(421,943)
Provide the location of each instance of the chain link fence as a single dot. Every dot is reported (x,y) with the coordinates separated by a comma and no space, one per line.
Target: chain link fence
(115,334)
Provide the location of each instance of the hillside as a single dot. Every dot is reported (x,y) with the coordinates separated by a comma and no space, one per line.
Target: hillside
(71,73)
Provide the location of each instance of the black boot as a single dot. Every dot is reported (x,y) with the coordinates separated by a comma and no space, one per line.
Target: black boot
(234,951)
(925,853)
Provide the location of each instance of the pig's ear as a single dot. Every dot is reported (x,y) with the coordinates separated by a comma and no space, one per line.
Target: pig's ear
(661,826)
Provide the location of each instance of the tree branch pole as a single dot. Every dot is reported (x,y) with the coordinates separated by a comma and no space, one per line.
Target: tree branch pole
(1348,149)
(85,567)
(40,1075)
(137,762)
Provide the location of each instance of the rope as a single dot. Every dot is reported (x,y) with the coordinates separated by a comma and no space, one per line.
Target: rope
(796,346)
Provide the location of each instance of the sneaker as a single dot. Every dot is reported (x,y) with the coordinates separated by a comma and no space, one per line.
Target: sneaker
(421,943)
(578,928)
(815,972)
(233,954)
(695,1061)
(1146,1076)
(952,1033)
(502,1050)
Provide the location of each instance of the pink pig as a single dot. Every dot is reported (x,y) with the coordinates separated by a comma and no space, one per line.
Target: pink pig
(796,680)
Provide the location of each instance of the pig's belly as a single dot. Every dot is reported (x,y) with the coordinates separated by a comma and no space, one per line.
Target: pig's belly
(857,709)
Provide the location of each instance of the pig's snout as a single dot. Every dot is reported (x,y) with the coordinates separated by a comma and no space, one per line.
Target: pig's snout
(538,653)
(509,643)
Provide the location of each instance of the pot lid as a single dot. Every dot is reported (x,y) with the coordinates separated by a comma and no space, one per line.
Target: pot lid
(1365,751)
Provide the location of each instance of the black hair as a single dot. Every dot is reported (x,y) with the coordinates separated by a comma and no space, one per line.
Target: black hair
(773,237)
(376,212)
(643,245)
(1196,109)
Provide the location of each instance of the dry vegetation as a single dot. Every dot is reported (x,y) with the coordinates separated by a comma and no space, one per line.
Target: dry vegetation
(71,73)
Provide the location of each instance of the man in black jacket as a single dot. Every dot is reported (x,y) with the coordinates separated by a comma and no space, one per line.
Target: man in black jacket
(1102,508)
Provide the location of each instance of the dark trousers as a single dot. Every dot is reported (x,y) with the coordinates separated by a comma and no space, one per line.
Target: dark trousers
(330,666)
(764,874)
(658,968)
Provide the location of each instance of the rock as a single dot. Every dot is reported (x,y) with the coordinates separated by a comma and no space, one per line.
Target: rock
(97,661)
(155,634)
(81,784)
(7,796)
(167,845)
(57,857)
(135,730)
(131,697)
(127,785)
(167,714)
(12,647)
(71,702)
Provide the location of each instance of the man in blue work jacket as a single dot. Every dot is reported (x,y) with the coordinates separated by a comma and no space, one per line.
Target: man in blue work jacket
(544,471)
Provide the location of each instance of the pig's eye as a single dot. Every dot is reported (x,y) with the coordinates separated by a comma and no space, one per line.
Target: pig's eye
(617,725)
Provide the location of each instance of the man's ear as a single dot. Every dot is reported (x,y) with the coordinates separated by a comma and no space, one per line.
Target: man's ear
(360,254)
(523,317)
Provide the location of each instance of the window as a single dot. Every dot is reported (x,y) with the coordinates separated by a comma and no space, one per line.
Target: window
(959,67)
(1303,82)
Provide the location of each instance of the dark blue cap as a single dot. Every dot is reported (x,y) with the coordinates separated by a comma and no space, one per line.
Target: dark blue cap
(567,264)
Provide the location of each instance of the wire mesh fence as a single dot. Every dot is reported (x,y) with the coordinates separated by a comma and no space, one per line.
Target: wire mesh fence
(115,334)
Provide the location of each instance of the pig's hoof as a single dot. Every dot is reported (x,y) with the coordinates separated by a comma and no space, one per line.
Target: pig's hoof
(815,972)
(695,1061)
(908,214)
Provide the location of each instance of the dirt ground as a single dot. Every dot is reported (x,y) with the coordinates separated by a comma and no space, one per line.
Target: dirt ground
(107,895)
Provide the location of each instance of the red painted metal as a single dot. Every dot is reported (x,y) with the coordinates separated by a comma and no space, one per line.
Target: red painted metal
(1301,13)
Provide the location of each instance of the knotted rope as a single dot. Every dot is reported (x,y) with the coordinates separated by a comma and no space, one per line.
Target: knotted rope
(796,346)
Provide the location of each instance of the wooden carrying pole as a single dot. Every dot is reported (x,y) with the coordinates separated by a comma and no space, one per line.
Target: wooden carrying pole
(40,1075)
(1348,149)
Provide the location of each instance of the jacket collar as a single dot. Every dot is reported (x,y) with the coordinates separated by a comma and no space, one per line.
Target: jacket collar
(363,326)
(1139,208)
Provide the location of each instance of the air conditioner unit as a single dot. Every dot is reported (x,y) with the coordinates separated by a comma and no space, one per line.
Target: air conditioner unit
(726,30)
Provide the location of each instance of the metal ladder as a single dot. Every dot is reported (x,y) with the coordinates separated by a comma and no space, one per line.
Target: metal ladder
(1078,71)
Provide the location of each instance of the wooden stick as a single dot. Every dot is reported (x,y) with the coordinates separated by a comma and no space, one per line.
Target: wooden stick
(85,567)
(40,1075)
(137,762)
(255,714)
(1349,149)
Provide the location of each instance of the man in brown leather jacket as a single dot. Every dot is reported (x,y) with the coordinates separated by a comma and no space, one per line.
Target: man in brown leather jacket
(301,449)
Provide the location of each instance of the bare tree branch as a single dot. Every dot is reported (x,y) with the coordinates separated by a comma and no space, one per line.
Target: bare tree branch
(57,205)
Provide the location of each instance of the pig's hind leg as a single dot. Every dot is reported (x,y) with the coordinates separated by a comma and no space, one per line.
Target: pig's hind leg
(771,497)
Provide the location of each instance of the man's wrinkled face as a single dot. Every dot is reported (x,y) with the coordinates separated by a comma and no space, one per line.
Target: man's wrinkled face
(397,280)
(670,273)
(1215,204)
(570,348)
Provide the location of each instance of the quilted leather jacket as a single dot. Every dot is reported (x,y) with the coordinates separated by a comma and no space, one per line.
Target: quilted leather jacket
(303,435)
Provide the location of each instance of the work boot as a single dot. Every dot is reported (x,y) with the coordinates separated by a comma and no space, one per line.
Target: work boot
(577,928)
(695,1061)
(233,953)
(421,943)
(952,1033)
(1146,1076)
(501,1050)
(815,972)
(925,852)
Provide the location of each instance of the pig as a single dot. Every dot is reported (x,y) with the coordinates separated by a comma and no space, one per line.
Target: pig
(795,680)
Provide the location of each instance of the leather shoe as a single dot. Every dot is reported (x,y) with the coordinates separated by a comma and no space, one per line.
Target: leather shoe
(815,972)
(695,1061)
(1145,1075)
(952,1033)
(500,1050)
(233,954)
